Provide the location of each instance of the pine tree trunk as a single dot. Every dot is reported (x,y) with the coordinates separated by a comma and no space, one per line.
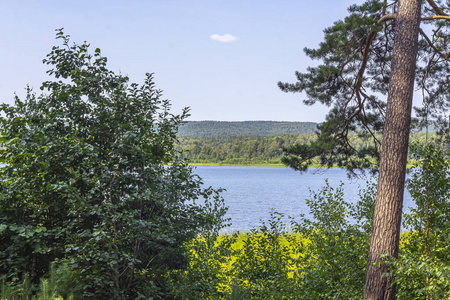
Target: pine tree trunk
(391,181)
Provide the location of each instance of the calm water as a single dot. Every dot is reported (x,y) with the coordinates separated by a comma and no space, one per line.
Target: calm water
(252,192)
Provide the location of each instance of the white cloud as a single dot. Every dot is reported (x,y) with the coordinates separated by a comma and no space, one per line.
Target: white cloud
(226,38)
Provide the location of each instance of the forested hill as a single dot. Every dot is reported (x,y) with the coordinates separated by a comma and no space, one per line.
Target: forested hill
(246,128)
(253,150)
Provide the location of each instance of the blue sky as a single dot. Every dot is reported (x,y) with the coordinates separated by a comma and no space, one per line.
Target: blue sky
(182,43)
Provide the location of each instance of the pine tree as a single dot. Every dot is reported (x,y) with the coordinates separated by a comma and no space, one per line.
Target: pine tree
(376,51)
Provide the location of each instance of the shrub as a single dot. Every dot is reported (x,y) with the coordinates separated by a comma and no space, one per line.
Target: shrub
(320,258)
(423,269)
(334,263)
(91,178)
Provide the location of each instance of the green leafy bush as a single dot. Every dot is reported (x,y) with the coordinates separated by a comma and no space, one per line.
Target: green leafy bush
(91,178)
(423,268)
(266,264)
(207,275)
(320,258)
(334,262)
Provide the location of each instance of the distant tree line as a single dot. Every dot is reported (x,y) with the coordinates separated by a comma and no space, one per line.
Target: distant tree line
(246,128)
(253,149)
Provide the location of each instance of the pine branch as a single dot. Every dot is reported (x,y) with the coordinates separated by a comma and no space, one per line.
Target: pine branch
(430,43)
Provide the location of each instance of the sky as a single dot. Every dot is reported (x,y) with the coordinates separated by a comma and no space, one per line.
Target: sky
(222,59)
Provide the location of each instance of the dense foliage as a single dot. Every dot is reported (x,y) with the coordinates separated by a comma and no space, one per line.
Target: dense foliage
(92,181)
(423,268)
(325,257)
(246,128)
(255,150)
(319,258)
(352,77)
(238,150)
(369,64)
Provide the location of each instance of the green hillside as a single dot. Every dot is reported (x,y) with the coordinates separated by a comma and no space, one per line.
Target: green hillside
(252,150)
(245,128)
(249,142)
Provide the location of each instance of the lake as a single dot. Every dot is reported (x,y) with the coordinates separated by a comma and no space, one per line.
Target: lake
(252,192)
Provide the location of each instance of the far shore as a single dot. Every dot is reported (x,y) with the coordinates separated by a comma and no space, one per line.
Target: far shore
(258,165)
(242,165)
(234,165)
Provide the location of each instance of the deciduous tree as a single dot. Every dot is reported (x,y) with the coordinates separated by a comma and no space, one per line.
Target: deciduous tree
(91,177)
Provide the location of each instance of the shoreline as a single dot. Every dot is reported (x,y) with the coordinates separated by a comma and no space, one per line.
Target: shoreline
(234,165)
(408,166)
(242,165)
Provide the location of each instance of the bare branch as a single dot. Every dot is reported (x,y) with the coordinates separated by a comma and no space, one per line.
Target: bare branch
(380,108)
(372,35)
(436,18)
(351,58)
(359,76)
(368,129)
(387,18)
(436,8)
(430,43)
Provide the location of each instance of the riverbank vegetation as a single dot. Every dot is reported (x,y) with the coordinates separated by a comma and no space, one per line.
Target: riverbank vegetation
(322,257)
(256,150)
(326,257)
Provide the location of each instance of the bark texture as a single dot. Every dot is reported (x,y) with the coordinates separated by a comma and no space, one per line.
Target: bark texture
(391,181)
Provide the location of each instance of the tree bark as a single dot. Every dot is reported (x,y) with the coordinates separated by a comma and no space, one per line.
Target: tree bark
(391,180)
